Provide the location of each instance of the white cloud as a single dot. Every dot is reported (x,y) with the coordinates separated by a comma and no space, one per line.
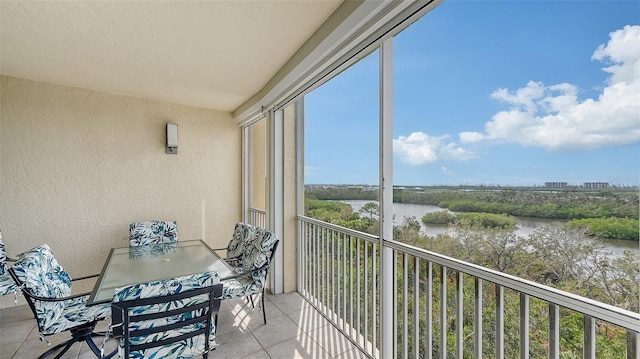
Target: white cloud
(446,171)
(470,137)
(419,148)
(552,116)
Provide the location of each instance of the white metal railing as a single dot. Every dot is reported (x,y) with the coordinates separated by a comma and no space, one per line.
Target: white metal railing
(339,276)
(257,217)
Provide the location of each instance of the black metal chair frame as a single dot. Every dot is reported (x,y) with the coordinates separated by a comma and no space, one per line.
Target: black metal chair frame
(267,266)
(83,332)
(122,319)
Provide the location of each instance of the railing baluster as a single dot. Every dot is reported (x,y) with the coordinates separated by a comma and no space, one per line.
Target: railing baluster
(395,305)
(365,286)
(358,287)
(429,306)
(524,326)
(312,262)
(554,331)
(405,305)
(312,259)
(303,259)
(477,319)
(374,297)
(323,272)
(318,256)
(416,308)
(351,279)
(633,345)
(589,349)
(342,274)
(459,316)
(499,322)
(443,312)
(332,274)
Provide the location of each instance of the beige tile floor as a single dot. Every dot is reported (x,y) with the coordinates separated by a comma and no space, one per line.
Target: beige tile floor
(294,330)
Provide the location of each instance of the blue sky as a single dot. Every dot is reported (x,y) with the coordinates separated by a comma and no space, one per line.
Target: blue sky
(491,92)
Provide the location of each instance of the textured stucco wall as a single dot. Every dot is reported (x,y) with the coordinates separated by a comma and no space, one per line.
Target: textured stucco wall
(77,166)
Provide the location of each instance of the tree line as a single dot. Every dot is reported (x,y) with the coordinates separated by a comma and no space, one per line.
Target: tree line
(606,214)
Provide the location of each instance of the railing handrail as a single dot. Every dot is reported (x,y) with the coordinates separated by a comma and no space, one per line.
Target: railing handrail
(352,232)
(609,313)
(257,210)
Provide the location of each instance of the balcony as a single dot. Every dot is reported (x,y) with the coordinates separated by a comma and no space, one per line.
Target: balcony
(337,312)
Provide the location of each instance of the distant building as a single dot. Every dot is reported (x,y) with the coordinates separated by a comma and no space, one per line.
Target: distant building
(555,184)
(595,185)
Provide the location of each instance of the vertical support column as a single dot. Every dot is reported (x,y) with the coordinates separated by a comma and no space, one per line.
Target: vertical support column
(275,183)
(299,181)
(386,201)
(246,171)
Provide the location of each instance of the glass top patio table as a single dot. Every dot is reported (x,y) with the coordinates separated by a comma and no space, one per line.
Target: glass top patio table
(132,265)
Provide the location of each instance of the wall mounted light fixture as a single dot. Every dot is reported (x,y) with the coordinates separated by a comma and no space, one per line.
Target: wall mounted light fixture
(172,138)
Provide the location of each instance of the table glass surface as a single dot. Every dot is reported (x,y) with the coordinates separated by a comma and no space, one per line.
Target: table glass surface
(132,265)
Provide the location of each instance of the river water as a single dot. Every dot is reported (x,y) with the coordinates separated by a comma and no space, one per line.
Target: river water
(526,225)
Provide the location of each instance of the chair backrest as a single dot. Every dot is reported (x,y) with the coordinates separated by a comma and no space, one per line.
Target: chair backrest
(3,257)
(7,284)
(38,274)
(242,233)
(152,232)
(258,254)
(167,318)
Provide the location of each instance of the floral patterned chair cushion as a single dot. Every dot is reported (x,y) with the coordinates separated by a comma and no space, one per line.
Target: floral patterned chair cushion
(152,232)
(7,285)
(257,253)
(241,235)
(181,349)
(42,276)
(3,257)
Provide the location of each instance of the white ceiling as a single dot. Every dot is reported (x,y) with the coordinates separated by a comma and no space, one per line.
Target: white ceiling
(211,54)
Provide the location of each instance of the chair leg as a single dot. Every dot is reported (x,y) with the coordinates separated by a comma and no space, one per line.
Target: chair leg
(95,349)
(264,311)
(66,346)
(82,333)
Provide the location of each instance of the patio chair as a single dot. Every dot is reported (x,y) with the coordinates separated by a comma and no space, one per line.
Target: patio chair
(242,234)
(7,285)
(253,267)
(167,318)
(47,289)
(152,232)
